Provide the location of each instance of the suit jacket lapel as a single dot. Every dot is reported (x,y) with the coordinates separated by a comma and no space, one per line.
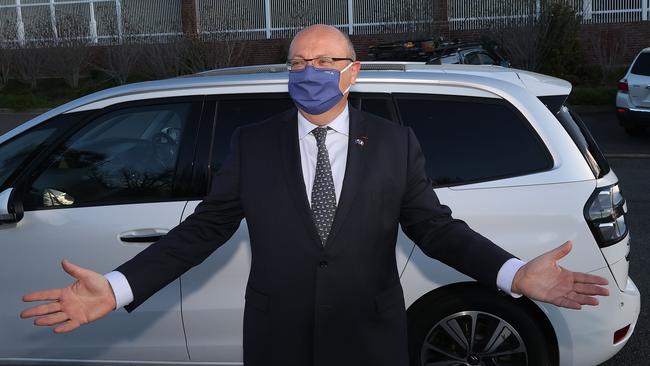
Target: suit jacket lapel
(354,171)
(293,172)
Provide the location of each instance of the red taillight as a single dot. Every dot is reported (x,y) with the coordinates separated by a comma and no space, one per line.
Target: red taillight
(621,333)
(622,86)
(620,110)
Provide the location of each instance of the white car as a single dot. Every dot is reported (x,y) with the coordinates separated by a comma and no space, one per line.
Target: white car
(633,97)
(99,178)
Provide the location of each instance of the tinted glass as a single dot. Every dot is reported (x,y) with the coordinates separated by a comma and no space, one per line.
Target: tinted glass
(18,151)
(378,104)
(232,113)
(450,59)
(121,157)
(467,139)
(486,59)
(583,139)
(472,59)
(642,65)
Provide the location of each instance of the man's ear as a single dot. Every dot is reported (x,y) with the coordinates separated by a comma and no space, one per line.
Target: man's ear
(355,68)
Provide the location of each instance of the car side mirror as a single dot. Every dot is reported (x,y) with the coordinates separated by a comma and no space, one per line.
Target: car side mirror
(11,210)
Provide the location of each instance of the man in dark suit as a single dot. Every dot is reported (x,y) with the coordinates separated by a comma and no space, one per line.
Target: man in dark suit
(323,190)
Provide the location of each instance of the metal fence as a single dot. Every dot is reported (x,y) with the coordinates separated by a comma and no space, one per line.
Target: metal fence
(108,21)
(481,14)
(282,18)
(90,21)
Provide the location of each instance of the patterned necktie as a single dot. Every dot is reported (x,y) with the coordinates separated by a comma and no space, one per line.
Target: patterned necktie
(323,195)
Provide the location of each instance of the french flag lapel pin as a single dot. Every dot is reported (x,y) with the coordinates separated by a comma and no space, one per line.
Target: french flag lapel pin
(361,141)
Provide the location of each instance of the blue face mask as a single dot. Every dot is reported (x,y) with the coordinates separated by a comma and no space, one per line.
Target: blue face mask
(315,90)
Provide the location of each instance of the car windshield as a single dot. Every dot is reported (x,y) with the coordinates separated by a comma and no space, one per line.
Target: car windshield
(642,65)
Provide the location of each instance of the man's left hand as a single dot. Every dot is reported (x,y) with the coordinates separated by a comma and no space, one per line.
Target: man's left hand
(544,280)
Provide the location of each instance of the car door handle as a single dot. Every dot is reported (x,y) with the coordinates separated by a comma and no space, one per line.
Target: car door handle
(142,235)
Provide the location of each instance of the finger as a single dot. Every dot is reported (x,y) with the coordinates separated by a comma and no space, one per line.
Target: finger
(74,270)
(561,251)
(44,295)
(565,302)
(583,299)
(587,278)
(66,327)
(44,309)
(52,319)
(588,289)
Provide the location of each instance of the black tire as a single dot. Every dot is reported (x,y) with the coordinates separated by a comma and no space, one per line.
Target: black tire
(473,304)
(634,130)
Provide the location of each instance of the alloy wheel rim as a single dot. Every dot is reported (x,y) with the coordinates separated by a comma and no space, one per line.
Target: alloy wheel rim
(473,338)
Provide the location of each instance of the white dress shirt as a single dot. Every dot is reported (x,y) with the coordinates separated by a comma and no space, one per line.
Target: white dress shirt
(337,148)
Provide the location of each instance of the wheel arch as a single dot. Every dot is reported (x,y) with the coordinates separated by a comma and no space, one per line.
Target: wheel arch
(465,287)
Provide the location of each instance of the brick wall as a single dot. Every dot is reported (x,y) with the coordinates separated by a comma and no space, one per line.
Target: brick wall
(189,18)
(630,37)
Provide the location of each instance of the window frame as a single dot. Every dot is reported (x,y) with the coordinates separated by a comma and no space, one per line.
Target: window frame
(75,118)
(550,163)
(202,175)
(187,150)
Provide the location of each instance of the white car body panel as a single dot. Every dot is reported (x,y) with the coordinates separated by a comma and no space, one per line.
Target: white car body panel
(89,237)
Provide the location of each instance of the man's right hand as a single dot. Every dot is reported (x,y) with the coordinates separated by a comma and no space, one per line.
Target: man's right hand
(89,298)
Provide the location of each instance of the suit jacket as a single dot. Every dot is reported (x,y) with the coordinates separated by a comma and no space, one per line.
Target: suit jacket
(341,304)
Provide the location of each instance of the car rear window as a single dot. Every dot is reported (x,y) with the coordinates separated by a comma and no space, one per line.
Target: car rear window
(579,133)
(642,65)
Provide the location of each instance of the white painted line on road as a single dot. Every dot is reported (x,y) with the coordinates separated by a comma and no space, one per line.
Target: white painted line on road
(627,156)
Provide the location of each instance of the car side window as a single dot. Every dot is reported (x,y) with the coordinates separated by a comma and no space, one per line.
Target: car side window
(470,139)
(124,156)
(379,104)
(472,59)
(486,59)
(240,111)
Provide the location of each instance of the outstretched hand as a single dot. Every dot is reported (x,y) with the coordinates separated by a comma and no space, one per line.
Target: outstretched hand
(544,280)
(89,298)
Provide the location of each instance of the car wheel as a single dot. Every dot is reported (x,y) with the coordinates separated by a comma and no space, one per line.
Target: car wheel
(475,326)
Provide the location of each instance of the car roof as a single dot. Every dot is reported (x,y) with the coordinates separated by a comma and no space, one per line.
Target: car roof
(273,75)
(536,84)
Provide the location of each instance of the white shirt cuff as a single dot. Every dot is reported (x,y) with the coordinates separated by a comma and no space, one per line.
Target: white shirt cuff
(507,274)
(121,288)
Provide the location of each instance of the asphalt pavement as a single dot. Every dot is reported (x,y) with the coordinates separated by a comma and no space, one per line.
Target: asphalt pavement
(629,157)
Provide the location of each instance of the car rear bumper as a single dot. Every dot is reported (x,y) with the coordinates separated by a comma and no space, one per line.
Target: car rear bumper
(587,336)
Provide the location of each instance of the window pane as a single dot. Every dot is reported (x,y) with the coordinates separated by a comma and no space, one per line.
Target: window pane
(24,147)
(642,65)
(232,113)
(472,139)
(121,157)
(379,107)
(472,59)
(486,59)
